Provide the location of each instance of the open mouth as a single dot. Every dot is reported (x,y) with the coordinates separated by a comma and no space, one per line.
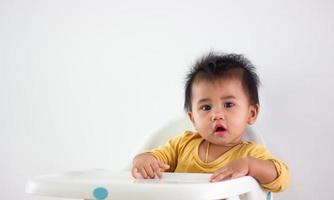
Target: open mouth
(220,130)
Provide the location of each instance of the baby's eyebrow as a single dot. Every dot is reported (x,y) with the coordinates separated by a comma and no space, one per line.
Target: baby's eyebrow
(228,97)
(206,100)
(203,100)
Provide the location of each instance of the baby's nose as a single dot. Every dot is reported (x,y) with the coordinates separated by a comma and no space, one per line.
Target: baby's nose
(218,116)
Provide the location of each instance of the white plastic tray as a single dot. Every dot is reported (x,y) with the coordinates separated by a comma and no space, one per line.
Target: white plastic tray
(121,185)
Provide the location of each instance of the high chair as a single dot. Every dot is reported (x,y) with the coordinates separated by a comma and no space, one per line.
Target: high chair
(106,184)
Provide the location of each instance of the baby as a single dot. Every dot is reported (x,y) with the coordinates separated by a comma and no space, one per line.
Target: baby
(221,99)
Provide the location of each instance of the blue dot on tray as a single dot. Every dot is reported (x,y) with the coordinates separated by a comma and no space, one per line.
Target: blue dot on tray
(100,193)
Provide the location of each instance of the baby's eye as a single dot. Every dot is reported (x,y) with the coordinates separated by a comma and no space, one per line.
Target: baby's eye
(228,105)
(206,108)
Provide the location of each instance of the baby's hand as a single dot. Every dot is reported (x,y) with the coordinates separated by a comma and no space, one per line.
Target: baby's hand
(234,169)
(147,166)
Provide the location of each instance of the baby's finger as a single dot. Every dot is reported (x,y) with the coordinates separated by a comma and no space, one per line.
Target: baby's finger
(149,171)
(237,174)
(219,171)
(156,169)
(143,172)
(135,173)
(224,175)
(163,165)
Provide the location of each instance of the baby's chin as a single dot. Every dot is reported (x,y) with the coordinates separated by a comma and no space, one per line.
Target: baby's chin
(224,141)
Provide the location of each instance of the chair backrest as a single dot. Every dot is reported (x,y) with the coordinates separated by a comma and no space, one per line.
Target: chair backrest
(179,125)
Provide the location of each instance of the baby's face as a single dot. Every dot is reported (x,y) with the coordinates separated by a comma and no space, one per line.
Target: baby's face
(221,110)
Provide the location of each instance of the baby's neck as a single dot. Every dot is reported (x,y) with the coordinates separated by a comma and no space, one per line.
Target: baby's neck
(215,150)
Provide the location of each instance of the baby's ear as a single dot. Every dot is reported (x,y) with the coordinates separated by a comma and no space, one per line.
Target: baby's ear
(253,113)
(191,117)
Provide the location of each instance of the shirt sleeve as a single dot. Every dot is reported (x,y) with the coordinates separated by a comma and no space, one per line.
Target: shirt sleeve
(283,178)
(169,152)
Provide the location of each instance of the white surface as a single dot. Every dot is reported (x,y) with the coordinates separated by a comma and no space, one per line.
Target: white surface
(84,83)
(121,185)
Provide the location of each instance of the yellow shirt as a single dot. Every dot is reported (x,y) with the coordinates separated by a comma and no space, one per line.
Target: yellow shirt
(181,154)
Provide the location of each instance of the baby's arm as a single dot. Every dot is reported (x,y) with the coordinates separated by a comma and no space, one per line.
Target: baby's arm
(270,172)
(162,158)
(262,170)
(145,165)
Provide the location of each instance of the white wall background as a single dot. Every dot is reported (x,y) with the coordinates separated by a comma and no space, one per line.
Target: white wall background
(84,83)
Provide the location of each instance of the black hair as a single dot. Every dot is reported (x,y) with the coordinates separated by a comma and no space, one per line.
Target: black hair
(214,66)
